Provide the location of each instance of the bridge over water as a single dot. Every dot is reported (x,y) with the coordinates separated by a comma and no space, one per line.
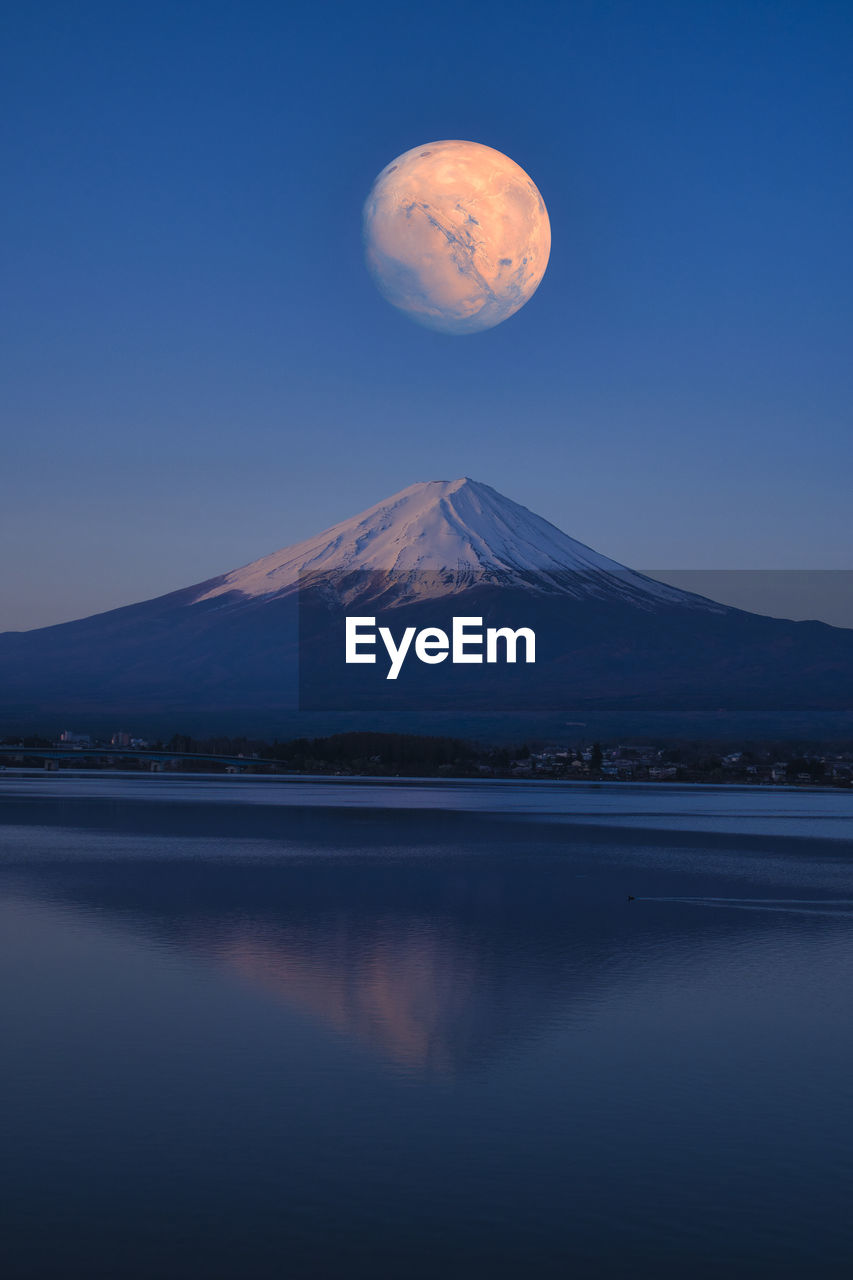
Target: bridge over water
(55,757)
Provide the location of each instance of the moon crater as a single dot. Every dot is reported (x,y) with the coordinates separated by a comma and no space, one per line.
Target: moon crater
(443,227)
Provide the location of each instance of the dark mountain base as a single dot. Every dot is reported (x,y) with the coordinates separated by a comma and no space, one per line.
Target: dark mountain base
(603,668)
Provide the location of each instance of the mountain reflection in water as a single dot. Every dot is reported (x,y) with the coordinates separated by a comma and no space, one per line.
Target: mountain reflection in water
(430,965)
(264,1037)
(435,962)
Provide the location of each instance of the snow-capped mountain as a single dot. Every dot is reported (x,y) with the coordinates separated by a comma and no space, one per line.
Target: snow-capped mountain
(253,650)
(441,537)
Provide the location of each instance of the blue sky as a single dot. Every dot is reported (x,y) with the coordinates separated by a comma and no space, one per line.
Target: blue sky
(197,369)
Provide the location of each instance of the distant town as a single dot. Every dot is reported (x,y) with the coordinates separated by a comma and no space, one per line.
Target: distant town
(408,755)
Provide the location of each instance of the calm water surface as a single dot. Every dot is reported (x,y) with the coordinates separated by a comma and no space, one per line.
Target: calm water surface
(267,1028)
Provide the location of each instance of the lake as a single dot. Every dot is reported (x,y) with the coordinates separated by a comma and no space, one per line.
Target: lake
(265,1027)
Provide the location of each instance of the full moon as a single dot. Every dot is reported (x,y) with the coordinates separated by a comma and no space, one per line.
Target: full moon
(456,235)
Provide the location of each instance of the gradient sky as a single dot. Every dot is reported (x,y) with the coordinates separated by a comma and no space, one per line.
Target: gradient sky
(197,369)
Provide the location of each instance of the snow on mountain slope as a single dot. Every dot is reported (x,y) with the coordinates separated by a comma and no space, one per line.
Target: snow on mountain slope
(440,537)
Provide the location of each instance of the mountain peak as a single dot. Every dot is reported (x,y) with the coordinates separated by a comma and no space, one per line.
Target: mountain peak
(437,489)
(440,537)
(450,486)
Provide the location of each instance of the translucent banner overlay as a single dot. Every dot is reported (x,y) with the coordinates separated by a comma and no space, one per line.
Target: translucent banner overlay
(681,641)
